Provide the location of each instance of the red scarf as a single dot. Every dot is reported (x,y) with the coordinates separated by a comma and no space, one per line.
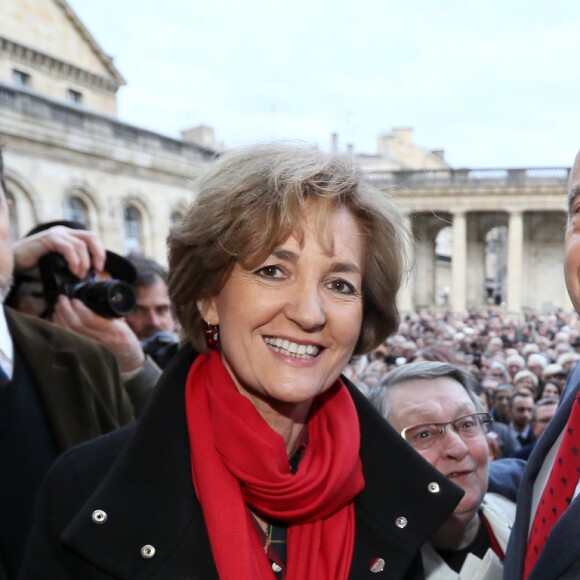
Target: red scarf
(239,463)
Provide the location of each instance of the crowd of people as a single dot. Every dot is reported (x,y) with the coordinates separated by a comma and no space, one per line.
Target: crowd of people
(268,376)
(520,364)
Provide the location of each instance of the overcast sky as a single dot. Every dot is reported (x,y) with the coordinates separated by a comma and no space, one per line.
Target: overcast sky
(496,83)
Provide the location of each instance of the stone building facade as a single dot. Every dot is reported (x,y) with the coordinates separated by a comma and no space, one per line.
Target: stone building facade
(67,155)
(527,206)
(481,236)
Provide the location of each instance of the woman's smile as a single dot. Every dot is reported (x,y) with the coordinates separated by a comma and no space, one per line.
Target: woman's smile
(291,348)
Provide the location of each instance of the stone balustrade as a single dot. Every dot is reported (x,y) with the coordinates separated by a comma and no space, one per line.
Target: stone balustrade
(67,118)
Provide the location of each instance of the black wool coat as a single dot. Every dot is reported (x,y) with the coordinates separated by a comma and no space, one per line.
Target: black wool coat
(124,507)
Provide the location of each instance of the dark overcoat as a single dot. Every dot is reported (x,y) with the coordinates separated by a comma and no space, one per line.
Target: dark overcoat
(76,380)
(560,557)
(124,506)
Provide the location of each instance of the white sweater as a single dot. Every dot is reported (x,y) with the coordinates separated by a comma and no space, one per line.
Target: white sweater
(500,514)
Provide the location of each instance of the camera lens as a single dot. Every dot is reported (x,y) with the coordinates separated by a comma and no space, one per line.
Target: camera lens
(110,298)
(121,298)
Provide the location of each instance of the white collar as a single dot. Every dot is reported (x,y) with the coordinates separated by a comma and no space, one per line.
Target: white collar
(6,345)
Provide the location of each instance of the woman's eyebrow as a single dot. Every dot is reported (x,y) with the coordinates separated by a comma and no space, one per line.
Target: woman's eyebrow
(285,254)
(347,267)
(290,256)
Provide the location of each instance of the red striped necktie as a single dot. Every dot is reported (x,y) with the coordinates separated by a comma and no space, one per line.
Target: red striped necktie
(559,490)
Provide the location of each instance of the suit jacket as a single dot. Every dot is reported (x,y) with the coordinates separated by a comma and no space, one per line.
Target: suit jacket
(150,523)
(77,380)
(560,557)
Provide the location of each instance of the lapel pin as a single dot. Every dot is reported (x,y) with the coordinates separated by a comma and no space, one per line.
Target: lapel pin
(377,565)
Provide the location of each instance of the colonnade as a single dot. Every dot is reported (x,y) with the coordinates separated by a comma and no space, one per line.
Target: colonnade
(534,260)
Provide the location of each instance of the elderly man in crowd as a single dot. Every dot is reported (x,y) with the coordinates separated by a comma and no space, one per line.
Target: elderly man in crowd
(515,363)
(433,406)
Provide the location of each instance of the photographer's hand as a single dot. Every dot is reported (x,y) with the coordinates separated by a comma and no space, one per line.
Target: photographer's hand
(114,333)
(81,249)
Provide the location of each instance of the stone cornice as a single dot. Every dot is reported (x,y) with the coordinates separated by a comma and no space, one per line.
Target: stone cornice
(54,66)
(471,179)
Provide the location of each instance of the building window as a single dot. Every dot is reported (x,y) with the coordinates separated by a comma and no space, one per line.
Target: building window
(175,218)
(132,230)
(20,78)
(75,210)
(75,97)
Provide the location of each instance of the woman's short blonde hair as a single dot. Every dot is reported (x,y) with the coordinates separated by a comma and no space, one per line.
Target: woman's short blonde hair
(252,199)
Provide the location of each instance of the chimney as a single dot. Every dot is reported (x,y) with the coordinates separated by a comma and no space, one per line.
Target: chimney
(200,135)
(403,135)
(385,145)
(334,143)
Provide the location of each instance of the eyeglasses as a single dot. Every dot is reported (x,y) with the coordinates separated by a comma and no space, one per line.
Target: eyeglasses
(424,436)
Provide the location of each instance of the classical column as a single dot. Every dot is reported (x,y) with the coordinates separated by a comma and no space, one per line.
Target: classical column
(475,283)
(405,295)
(459,263)
(515,261)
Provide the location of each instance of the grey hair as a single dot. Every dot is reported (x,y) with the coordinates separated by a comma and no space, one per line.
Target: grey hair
(425,370)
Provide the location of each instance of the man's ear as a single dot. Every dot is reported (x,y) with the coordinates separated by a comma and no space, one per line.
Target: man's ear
(209,311)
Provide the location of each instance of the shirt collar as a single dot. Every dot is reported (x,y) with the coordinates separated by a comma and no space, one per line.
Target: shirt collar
(6,344)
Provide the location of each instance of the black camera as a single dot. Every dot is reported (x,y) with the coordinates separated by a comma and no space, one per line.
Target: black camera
(108,298)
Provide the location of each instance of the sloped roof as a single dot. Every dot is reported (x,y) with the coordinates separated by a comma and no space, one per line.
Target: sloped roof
(88,37)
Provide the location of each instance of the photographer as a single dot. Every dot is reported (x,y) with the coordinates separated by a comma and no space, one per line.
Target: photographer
(57,389)
(82,250)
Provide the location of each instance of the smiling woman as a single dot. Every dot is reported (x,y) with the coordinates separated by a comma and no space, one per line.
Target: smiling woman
(255,458)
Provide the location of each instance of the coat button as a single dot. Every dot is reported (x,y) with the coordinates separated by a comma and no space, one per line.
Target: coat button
(401,522)
(99,516)
(147,551)
(433,487)
(377,565)
(276,567)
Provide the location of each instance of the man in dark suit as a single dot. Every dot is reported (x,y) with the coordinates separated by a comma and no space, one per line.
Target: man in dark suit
(540,549)
(57,389)
(543,411)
